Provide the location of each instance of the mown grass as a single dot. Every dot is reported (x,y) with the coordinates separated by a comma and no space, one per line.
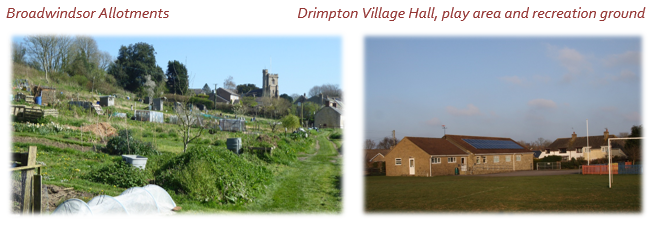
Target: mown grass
(312,185)
(565,193)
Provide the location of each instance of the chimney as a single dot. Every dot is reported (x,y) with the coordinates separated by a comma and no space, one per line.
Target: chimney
(573,136)
(606,134)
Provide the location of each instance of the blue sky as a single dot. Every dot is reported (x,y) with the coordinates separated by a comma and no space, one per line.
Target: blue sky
(301,62)
(522,87)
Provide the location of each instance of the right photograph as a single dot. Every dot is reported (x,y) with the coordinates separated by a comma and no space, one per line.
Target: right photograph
(503,124)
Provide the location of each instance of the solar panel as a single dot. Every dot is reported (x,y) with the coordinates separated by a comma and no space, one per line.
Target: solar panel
(492,144)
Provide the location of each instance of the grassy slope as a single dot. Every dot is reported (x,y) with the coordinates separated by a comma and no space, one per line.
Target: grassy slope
(567,193)
(308,186)
(65,167)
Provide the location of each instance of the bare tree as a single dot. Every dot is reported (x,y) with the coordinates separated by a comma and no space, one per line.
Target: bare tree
(149,85)
(42,48)
(294,96)
(187,119)
(273,125)
(386,143)
(88,46)
(229,84)
(51,52)
(540,144)
(331,90)
(370,144)
(18,52)
(105,60)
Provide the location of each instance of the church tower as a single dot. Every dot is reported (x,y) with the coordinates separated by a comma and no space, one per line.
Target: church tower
(270,84)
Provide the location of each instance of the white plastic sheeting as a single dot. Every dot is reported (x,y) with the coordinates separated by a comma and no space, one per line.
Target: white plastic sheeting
(150,199)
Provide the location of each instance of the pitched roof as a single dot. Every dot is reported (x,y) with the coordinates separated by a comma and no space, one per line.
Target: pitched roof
(257,92)
(458,140)
(196,91)
(334,109)
(536,154)
(579,142)
(436,146)
(229,91)
(371,153)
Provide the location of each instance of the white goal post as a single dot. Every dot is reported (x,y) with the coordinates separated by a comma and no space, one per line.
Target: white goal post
(610,157)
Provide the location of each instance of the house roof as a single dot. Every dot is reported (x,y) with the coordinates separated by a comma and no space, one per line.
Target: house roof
(536,154)
(436,146)
(196,91)
(221,99)
(372,153)
(458,140)
(579,142)
(258,92)
(334,109)
(228,91)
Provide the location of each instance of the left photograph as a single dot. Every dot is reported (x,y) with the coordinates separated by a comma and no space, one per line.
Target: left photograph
(175,125)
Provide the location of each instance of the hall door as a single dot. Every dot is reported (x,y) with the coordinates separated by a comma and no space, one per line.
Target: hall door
(411,166)
(463,164)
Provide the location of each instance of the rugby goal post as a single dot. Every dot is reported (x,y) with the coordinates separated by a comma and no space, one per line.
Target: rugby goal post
(610,157)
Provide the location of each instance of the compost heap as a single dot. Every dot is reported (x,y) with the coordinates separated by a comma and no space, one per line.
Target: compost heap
(150,199)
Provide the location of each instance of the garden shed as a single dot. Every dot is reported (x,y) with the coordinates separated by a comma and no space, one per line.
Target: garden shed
(84,104)
(48,94)
(107,100)
(149,116)
(157,104)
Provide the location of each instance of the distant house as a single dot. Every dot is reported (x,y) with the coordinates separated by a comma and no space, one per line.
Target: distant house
(218,98)
(254,93)
(320,99)
(373,160)
(576,147)
(329,117)
(451,154)
(228,95)
(196,91)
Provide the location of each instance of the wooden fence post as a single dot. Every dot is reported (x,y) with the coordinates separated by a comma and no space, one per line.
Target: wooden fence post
(27,177)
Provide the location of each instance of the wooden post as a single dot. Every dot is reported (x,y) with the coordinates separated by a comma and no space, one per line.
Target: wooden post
(27,178)
(37,193)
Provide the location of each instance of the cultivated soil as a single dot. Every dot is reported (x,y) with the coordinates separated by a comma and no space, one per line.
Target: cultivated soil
(103,129)
(49,142)
(52,196)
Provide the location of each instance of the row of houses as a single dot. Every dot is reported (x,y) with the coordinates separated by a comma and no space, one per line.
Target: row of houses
(592,147)
(469,155)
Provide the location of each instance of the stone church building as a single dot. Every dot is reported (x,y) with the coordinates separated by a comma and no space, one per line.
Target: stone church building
(270,84)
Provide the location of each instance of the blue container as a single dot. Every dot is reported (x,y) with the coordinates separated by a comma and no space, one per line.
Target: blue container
(37,100)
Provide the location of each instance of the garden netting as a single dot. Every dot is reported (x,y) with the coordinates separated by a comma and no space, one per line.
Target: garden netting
(150,199)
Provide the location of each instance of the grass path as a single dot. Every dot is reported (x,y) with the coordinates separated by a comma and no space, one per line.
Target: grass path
(311,185)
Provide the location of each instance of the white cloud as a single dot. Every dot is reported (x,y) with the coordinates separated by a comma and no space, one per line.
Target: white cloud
(542,103)
(633,116)
(541,79)
(623,59)
(513,80)
(471,110)
(434,122)
(626,75)
(572,60)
